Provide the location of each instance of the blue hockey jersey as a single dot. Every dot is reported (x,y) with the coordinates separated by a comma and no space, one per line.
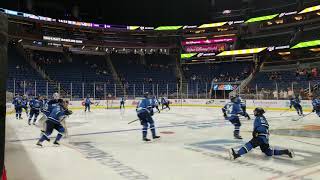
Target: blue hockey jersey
(145,105)
(261,126)
(35,104)
(87,101)
(49,106)
(232,109)
(316,104)
(17,102)
(24,102)
(57,114)
(294,102)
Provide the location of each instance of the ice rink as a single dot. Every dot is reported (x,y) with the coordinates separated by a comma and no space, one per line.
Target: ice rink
(193,146)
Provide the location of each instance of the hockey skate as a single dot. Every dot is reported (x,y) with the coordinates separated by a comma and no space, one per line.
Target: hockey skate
(56,143)
(290,153)
(232,154)
(156,137)
(237,137)
(146,139)
(39,144)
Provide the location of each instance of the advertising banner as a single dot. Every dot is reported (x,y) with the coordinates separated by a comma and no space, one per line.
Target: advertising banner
(206,48)
(208,41)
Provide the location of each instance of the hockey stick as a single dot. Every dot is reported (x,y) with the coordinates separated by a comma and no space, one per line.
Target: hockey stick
(133,121)
(303,116)
(285,111)
(64,124)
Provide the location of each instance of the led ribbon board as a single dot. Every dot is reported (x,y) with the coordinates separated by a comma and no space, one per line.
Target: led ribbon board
(262,18)
(307,44)
(187,56)
(310,9)
(212,25)
(240,52)
(133,27)
(168,28)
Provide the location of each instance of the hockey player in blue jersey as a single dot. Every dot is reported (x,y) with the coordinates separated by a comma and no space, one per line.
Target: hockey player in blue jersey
(87,104)
(25,104)
(260,138)
(122,101)
(244,107)
(145,113)
(35,107)
(165,102)
(17,102)
(316,106)
(231,112)
(57,115)
(295,102)
(46,110)
(47,107)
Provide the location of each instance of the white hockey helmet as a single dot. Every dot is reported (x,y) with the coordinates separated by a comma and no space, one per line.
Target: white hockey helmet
(56,96)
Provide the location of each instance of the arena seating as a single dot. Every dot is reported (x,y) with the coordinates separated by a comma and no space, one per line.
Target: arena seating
(78,70)
(283,80)
(21,74)
(153,74)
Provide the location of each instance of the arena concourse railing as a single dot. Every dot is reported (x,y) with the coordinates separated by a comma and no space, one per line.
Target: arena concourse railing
(192,90)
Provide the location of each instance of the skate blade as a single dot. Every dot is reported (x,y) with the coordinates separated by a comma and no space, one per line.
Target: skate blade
(230,155)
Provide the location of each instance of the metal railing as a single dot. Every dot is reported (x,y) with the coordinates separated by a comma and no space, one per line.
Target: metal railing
(191,90)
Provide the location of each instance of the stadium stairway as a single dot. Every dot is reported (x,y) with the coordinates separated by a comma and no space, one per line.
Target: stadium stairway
(118,84)
(183,81)
(28,56)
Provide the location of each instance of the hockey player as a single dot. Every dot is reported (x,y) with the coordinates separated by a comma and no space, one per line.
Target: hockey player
(46,110)
(165,102)
(145,113)
(295,102)
(35,106)
(87,104)
(57,115)
(244,107)
(231,112)
(156,103)
(49,105)
(17,102)
(25,104)
(122,101)
(316,106)
(260,138)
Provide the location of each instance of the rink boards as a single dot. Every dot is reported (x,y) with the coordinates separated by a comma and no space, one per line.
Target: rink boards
(111,104)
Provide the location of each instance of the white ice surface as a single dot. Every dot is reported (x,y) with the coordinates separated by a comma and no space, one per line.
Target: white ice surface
(193,146)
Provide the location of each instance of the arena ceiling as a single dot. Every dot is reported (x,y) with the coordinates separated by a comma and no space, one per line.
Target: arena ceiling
(142,12)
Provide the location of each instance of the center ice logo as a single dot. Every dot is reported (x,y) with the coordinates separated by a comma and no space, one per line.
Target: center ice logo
(220,146)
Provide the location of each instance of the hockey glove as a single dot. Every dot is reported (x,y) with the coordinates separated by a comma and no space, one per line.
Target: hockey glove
(254,134)
(68,112)
(290,106)
(225,115)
